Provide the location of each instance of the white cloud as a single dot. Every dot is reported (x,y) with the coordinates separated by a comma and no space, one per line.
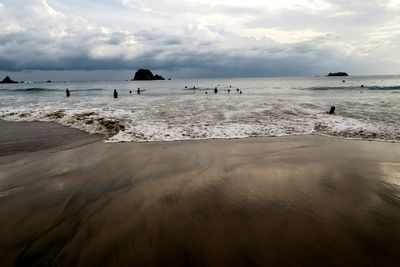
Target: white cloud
(268,37)
(136,4)
(395,4)
(267,4)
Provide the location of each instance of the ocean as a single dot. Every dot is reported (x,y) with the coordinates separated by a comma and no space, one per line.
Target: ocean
(174,110)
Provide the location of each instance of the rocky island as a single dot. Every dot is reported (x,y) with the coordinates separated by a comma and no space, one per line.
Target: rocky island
(335,74)
(146,75)
(8,80)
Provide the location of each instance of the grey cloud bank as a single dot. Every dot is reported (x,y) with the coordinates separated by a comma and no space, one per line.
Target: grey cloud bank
(201,38)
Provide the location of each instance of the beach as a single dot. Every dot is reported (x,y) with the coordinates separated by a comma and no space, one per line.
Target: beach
(23,137)
(307,200)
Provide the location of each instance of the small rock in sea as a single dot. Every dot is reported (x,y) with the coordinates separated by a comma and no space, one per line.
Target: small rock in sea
(7,79)
(337,74)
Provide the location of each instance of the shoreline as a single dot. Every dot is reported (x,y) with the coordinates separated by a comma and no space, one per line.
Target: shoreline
(102,136)
(297,200)
(30,137)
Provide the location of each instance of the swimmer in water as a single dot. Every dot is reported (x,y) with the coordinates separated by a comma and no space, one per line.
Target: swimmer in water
(332,110)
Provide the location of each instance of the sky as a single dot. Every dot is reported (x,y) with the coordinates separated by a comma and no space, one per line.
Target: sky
(110,39)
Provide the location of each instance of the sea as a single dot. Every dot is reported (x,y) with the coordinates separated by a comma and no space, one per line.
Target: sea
(366,107)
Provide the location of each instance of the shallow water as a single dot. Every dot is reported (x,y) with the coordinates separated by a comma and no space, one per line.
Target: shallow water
(166,110)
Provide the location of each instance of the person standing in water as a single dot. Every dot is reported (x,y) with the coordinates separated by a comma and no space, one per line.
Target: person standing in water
(138,91)
(67,92)
(115,93)
(215,90)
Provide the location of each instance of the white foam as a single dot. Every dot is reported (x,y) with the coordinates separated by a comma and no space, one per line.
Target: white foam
(200,116)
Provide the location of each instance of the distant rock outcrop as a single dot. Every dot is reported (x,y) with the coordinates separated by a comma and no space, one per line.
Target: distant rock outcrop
(337,74)
(8,80)
(146,75)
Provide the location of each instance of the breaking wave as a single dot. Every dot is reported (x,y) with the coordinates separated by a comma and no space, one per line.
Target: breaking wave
(34,89)
(169,111)
(376,88)
(162,125)
(39,89)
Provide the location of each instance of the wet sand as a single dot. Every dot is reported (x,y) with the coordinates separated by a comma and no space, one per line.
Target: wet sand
(23,137)
(292,201)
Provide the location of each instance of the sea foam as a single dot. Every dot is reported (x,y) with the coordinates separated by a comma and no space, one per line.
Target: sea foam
(169,112)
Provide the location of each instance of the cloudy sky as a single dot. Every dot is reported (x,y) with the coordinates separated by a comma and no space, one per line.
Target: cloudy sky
(94,39)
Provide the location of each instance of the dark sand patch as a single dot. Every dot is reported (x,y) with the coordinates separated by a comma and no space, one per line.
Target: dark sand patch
(23,137)
(295,201)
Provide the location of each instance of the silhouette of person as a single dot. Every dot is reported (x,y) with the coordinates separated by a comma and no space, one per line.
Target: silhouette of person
(115,93)
(215,90)
(138,91)
(229,90)
(130,91)
(67,92)
(332,110)
(240,92)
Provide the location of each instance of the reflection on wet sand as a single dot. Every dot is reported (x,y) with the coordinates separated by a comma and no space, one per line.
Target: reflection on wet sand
(304,201)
